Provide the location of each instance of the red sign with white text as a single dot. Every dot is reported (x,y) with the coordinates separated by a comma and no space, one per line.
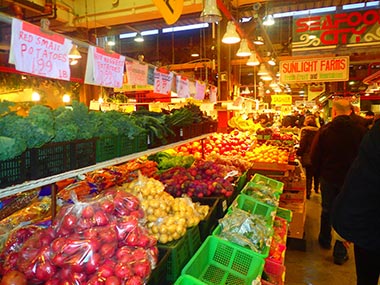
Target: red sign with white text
(351,29)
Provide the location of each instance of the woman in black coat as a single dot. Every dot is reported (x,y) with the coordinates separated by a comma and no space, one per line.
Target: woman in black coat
(307,136)
(356,211)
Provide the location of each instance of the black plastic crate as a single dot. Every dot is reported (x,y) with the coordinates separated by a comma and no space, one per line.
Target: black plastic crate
(207,225)
(158,274)
(83,153)
(48,160)
(12,171)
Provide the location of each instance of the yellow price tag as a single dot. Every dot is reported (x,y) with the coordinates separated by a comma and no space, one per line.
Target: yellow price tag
(170,10)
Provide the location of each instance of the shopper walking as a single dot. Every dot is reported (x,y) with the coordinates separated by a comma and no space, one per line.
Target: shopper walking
(307,135)
(334,148)
(356,215)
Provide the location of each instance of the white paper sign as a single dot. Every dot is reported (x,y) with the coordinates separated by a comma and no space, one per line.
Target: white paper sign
(200,89)
(137,73)
(39,52)
(213,93)
(162,82)
(103,68)
(183,90)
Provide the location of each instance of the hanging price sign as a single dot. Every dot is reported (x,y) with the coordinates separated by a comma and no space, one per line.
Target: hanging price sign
(39,52)
(103,68)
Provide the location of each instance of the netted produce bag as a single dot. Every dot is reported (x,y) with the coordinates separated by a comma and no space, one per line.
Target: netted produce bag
(167,217)
(245,229)
(97,241)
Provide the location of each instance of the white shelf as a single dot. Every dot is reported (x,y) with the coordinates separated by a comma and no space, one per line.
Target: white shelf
(29,185)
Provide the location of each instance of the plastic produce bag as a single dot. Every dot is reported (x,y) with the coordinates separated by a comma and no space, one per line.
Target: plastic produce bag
(245,229)
(92,241)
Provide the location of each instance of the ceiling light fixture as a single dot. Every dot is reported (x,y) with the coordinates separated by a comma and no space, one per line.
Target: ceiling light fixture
(258,41)
(272,61)
(210,13)
(262,70)
(138,38)
(252,60)
(243,49)
(231,36)
(268,20)
(74,53)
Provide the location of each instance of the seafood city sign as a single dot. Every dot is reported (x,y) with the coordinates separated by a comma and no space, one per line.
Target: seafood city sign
(329,31)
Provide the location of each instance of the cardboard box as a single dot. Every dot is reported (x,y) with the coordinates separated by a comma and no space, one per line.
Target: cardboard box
(293,195)
(297,225)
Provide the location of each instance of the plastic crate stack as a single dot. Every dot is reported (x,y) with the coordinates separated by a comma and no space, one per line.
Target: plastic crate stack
(248,245)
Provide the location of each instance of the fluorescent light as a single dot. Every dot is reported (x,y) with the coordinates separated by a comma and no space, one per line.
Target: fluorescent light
(353,6)
(185,28)
(143,33)
(245,19)
(372,4)
(305,12)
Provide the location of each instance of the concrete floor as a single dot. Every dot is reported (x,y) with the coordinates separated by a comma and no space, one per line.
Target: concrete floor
(315,266)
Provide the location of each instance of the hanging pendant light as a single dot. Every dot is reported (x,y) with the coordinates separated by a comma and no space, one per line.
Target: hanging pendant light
(210,13)
(74,52)
(272,61)
(139,38)
(243,49)
(231,36)
(262,70)
(268,20)
(252,60)
(258,41)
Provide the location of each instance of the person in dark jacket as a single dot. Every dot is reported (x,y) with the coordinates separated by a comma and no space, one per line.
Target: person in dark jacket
(356,214)
(334,148)
(306,139)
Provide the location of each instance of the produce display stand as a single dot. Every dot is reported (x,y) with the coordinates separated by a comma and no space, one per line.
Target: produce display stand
(293,197)
(51,180)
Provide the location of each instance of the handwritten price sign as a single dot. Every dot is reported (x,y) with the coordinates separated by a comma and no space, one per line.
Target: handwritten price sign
(162,82)
(103,68)
(38,52)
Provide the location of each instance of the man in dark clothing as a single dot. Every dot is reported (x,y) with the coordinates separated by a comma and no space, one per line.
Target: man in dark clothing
(356,214)
(334,148)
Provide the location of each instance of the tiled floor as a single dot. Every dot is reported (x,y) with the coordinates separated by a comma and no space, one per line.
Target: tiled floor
(315,265)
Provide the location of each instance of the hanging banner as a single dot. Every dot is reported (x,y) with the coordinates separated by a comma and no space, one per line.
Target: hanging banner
(200,90)
(151,70)
(103,68)
(213,93)
(37,52)
(137,73)
(326,69)
(170,10)
(162,82)
(183,90)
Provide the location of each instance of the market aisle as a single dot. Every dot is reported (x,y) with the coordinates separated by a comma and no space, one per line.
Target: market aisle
(315,266)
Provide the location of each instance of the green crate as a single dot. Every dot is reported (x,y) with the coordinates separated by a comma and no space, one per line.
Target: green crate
(207,225)
(260,179)
(141,142)
(125,145)
(253,206)
(242,180)
(188,280)
(218,261)
(106,148)
(285,214)
(261,193)
(263,254)
(193,239)
(158,274)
